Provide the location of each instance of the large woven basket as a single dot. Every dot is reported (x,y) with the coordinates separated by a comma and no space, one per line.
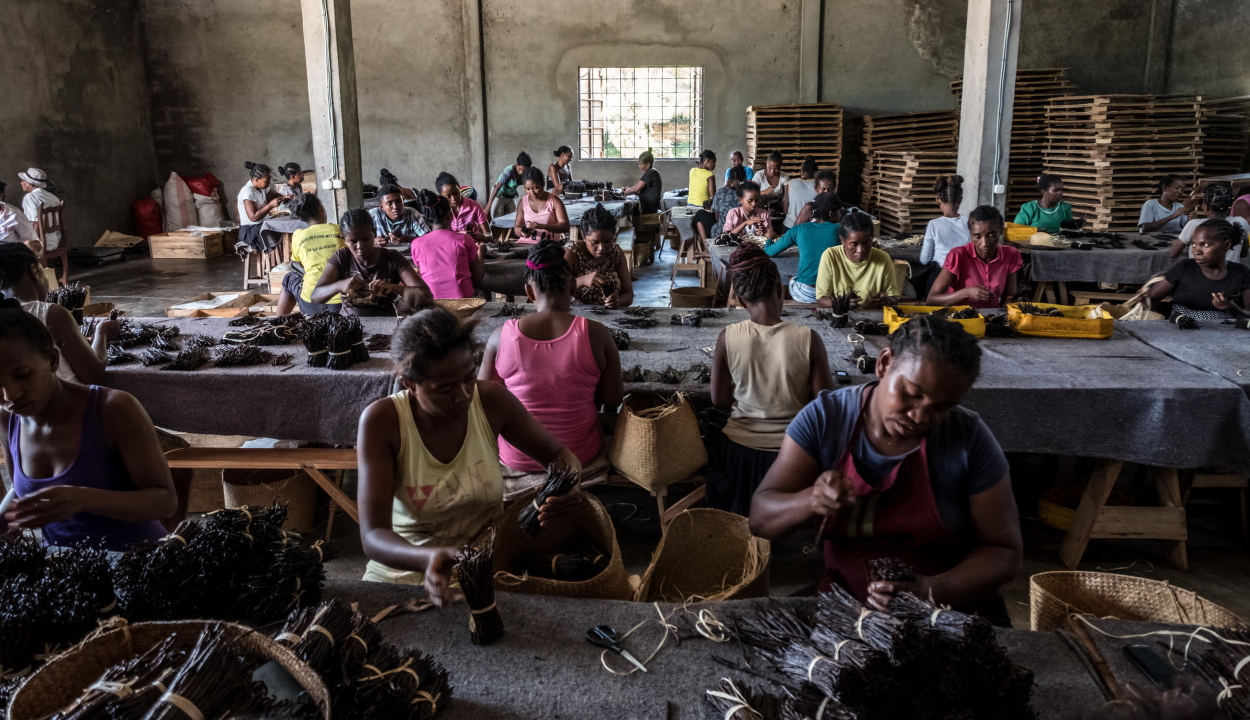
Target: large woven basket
(463,308)
(1053,596)
(64,678)
(266,487)
(707,555)
(657,446)
(591,522)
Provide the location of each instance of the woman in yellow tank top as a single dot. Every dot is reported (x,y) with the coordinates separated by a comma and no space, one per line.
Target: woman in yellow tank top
(702,180)
(430,479)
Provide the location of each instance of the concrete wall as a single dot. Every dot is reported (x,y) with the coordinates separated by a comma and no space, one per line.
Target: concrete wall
(75,104)
(1210,53)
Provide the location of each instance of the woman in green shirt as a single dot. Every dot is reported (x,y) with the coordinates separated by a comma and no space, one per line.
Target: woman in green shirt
(505,188)
(813,239)
(1048,213)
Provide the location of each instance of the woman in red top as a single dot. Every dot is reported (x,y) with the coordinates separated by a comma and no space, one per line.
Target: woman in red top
(983,273)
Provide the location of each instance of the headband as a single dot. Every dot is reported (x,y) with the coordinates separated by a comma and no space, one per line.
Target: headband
(531,265)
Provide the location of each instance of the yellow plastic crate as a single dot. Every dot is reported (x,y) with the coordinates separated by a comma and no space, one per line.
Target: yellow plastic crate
(1082,321)
(1019,233)
(892,320)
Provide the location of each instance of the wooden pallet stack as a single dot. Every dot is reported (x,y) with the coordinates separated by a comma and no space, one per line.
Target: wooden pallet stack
(1035,88)
(1111,151)
(904,187)
(902,131)
(1226,136)
(795,131)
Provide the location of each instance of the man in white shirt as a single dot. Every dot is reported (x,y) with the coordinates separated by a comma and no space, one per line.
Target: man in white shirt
(14,227)
(35,184)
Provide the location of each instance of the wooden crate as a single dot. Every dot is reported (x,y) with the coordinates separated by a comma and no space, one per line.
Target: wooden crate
(185,245)
(795,131)
(241,300)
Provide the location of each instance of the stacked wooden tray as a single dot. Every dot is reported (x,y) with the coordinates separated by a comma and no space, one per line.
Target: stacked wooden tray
(1035,88)
(1226,136)
(795,131)
(1111,151)
(902,131)
(903,192)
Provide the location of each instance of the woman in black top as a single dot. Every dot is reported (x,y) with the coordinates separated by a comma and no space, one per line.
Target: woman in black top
(1208,287)
(648,189)
(370,278)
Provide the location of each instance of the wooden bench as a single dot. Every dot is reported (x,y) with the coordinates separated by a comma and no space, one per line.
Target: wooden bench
(1096,519)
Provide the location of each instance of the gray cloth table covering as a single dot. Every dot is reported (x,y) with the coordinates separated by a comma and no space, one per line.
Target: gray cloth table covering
(575,210)
(1131,265)
(671,201)
(1215,348)
(272,229)
(543,667)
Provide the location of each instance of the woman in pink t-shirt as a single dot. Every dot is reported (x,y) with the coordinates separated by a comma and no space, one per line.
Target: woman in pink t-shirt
(982,273)
(560,366)
(448,261)
(466,215)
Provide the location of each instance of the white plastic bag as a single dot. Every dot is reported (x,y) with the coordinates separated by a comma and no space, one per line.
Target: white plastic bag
(208,210)
(179,204)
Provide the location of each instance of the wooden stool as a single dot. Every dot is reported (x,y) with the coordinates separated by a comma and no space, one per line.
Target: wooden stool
(1095,519)
(691,257)
(1232,482)
(1048,289)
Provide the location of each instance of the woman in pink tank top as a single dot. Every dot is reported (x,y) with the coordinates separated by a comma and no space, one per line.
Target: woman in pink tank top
(560,366)
(1241,207)
(540,214)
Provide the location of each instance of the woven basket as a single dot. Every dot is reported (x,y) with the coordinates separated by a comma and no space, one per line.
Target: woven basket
(591,521)
(696,297)
(657,446)
(64,678)
(1053,596)
(296,490)
(463,308)
(707,555)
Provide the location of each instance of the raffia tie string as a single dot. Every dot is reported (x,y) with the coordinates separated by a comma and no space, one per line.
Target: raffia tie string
(425,696)
(336,354)
(317,546)
(933,618)
(812,666)
(669,628)
(859,624)
(13,674)
(820,711)
(472,613)
(360,640)
(739,702)
(319,352)
(179,538)
(183,704)
(707,625)
(110,607)
(379,674)
(121,690)
(289,637)
(1171,635)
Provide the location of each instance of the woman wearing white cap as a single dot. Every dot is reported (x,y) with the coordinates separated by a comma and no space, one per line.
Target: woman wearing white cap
(14,227)
(35,184)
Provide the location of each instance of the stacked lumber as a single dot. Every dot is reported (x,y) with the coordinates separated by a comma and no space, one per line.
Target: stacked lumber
(1111,151)
(902,131)
(903,193)
(1225,136)
(795,131)
(1035,88)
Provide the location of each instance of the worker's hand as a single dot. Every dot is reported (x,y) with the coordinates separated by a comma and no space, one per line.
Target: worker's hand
(1220,301)
(855,302)
(832,493)
(612,301)
(881,593)
(978,294)
(355,284)
(1182,210)
(393,239)
(384,288)
(109,329)
(590,280)
(49,505)
(438,577)
(532,225)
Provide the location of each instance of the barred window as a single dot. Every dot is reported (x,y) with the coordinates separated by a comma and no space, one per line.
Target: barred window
(625,110)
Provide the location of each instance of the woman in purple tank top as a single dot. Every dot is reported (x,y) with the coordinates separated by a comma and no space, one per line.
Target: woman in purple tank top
(85,461)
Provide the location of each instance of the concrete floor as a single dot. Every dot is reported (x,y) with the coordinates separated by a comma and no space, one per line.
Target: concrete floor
(1219,563)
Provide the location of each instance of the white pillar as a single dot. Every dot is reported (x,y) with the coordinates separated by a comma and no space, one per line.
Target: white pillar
(989,90)
(809,50)
(331,64)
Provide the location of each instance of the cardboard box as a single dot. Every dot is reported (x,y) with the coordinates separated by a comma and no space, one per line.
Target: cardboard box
(184,245)
(275,277)
(213,303)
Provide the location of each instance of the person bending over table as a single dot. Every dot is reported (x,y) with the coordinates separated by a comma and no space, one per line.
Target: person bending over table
(386,177)
(984,273)
(1217,200)
(736,160)
(702,180)
(825,180)
(540,214)
(723,201)
(898,469)
(448,261)
(649,188)
(394,223)
(14,227)
(311,249)
(601,274)
(856,266)
(430,478)
(466,215)
(1049,212)
(256,200)
(748,218)
(82,360)
(85,461)
(293,187)
(561,366)
(764,371)
(1165,213)
(369,278)
(801,190)
(560,172)
(771,179)
(1208,287)
(503,193)
(812,239)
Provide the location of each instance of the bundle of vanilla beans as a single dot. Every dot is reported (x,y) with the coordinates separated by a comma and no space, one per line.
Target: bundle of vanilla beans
(575,560)
(72,297)
(475,567)
(560,481)
(918,660)
(1220,660)
(236,564)
(1031,309)
(366,676)
(134,333)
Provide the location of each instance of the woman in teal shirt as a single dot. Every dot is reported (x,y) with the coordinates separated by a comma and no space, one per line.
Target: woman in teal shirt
(1048,213)
(812,239)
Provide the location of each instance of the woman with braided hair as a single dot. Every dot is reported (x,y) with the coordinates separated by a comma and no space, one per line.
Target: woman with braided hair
(256,200)
(602,277)
(1218,201)
(561,366)
(368,277)
(764,371)
(466,215)
(1208,286)
(855,266)
(311,248)
(448,261)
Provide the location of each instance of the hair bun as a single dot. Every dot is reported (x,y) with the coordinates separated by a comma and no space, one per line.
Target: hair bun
(249,164)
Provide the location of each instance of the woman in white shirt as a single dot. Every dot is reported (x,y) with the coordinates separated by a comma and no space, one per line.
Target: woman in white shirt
(801,190)
(256,200)
(34,184)
(1218,200)
(1165,213)
(771,179)
(942,234)
(14,227)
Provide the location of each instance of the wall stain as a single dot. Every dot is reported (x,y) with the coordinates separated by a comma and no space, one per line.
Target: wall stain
(935,29)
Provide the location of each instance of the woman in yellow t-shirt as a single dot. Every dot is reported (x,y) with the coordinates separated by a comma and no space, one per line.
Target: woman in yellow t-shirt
(702,180)
(311,247)
(856,266)
(430,479)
